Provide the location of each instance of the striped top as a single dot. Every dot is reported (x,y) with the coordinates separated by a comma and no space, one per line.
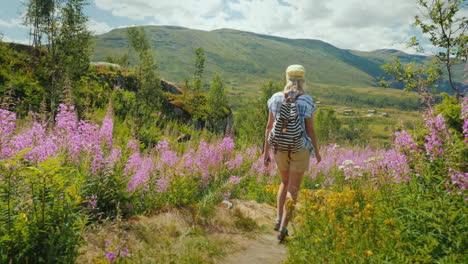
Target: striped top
(305,107)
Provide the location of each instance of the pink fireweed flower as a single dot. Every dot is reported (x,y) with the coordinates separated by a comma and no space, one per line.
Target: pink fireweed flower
(7,127)
(141,171)
(90,138)
(464,116)
(28,139)
(226,146)
(437,135)
(113,157)
(47,148)
(236,162)
(162,145)
(405,143)
(107,130)
(258,167)
(92,203)
(234,180)
(458,180)
(7,122)
(110,255)
(168,159)
(132,145)
(98,162)
(162,185)
(251,152)
(124,252)
(66,120)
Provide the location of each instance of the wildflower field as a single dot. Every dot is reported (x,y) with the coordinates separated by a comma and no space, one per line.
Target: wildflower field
(405,204)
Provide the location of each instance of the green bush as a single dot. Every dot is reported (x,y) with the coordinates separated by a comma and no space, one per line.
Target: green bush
(40,218)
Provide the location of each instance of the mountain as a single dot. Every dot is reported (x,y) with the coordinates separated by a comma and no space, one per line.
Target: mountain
(246,59)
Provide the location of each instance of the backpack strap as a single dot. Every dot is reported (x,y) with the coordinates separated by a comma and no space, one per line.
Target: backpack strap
(289,98)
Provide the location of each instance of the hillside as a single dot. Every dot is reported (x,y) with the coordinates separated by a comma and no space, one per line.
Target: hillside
(247,59)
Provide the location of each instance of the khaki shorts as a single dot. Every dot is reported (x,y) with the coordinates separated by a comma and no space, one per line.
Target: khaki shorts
(299,161)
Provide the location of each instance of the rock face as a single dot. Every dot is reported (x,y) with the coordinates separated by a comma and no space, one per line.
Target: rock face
(170,87)
(129,82)
(105,64)
(184,138)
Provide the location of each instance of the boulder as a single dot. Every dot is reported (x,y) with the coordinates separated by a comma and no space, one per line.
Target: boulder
(170,87)
(184,138)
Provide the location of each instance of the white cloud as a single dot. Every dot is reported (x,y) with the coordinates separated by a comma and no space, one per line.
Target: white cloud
(98,27)
(352,24)
(20,41)
(14,22)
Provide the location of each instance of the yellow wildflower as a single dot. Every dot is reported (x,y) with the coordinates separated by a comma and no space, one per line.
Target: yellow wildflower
(368,253)
(298,219)
(320,193)
(389,222)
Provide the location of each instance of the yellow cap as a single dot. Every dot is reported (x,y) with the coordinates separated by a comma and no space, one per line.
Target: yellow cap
(295,70)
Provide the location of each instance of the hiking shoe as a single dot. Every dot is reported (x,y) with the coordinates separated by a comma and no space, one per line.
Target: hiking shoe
(277,226)
(282,236)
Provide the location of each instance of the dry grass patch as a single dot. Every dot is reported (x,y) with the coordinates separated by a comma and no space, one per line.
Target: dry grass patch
(175,236)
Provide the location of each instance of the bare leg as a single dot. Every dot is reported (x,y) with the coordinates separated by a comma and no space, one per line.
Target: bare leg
(295,179)
(282,192)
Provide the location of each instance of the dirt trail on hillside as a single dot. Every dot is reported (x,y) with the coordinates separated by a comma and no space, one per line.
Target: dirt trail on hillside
(264,248)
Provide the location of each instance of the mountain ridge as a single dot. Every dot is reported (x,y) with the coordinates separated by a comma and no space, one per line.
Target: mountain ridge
(246,59)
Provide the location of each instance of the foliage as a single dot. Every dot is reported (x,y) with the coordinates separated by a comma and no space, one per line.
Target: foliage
(401,205)
(451,111)
(408,197)
(199,62)
(447,30)
(62,25)
(216,106)
(21,89)
(251,120)
(417,78)
(327,125)
(40,219)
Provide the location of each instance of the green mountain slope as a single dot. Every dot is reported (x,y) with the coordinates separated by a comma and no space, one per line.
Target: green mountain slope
(246,59)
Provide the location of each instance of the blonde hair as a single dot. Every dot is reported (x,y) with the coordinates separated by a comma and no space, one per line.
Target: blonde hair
(294,84)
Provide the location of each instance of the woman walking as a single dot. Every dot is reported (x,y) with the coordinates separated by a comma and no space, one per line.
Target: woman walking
(290,135)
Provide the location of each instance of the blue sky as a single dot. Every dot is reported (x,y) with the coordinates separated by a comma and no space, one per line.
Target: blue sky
(351,24)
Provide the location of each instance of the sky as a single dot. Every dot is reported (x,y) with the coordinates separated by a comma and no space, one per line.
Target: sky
(364,25)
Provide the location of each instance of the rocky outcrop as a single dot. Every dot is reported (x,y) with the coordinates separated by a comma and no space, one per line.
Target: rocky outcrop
(105,64)
(169,87)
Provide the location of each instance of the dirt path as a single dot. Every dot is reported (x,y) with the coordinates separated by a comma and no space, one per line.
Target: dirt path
(264,248)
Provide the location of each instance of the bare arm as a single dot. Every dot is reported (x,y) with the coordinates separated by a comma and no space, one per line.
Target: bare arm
(309,122)
(268,128)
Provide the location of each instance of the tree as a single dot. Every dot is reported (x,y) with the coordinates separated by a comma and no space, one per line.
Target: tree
(59,27)
(199,62)
(251,120)
(73,43)
(446,31)
(417,78)
(149,94)
(149,91)
(327,125)
(216,101)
